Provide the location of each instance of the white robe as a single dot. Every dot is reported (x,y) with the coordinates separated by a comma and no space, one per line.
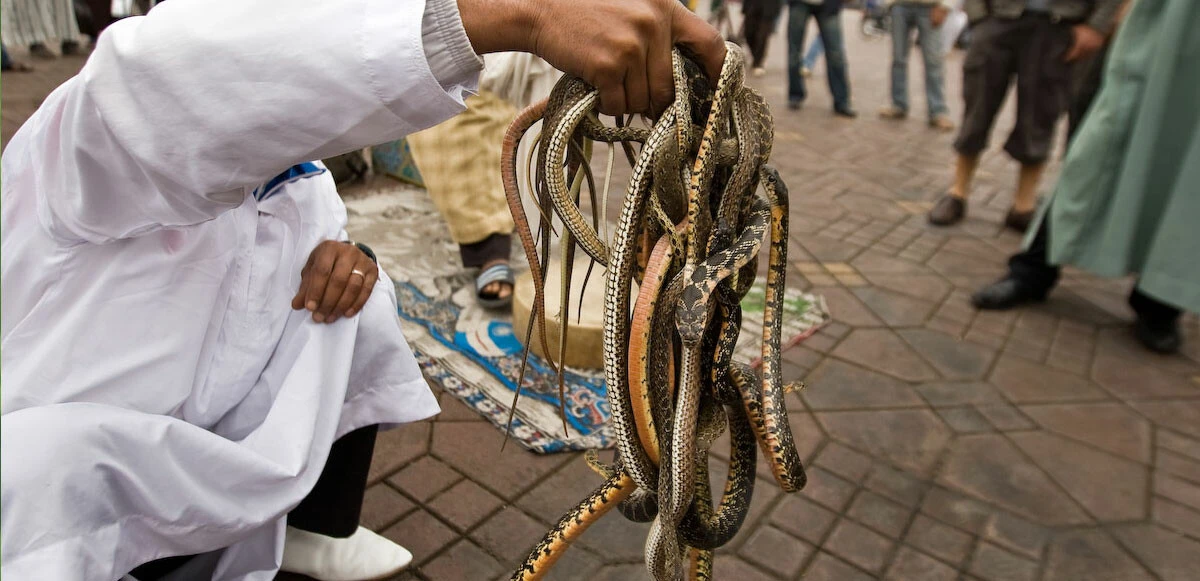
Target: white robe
(160,396)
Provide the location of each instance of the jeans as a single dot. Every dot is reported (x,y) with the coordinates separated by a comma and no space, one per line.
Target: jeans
(830,28)
(815,49)
(906,17)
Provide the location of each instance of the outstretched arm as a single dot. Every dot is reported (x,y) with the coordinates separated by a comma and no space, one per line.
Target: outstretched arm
(178,113)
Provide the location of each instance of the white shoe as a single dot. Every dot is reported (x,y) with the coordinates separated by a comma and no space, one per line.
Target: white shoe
(362,556)
(758,71)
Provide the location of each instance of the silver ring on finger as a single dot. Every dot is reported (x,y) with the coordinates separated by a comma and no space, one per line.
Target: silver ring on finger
(359,273)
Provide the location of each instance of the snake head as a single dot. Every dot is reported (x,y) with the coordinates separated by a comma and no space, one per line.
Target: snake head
(692,315)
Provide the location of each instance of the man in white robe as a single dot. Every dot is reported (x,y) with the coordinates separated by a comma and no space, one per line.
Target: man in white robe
(184,333)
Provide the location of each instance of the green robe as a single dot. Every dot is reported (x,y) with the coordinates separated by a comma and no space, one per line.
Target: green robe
(1128,199)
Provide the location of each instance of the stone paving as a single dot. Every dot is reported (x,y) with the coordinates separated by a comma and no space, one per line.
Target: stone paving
(942,443)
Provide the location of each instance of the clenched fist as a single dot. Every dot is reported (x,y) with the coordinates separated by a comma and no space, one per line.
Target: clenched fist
(621,47)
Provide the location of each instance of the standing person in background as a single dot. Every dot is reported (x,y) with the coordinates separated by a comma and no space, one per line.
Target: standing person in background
(759,18)
(34,23)
(816,48)
(1127,199)
(827,13)
(927,17)
(458,160)
(99,16)
(1036,41)
(8,63)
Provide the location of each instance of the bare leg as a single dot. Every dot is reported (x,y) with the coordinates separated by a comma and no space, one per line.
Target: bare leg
(1025,198)
(964,172)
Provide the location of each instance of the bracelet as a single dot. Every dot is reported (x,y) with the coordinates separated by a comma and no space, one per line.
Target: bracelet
(366,250)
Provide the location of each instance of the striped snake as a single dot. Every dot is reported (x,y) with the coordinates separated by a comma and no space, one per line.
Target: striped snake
(690,233)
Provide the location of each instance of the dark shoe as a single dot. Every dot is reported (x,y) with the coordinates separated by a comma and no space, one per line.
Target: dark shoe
(1006,293)
(846,112)
(1018,221)
(71,48)
(948,210)
(1158,336)
(40,50)
(795,104)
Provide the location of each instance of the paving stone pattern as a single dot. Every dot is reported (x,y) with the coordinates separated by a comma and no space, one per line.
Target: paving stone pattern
(942,443)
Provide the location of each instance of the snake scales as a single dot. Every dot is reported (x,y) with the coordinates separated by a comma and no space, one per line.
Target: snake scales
(690,234)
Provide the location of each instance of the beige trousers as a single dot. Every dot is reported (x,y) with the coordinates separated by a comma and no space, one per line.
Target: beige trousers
(460,163)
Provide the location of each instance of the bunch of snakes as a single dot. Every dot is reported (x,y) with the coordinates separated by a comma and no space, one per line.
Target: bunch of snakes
(699,203)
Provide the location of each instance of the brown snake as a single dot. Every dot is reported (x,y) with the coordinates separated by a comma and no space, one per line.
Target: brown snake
(689,233)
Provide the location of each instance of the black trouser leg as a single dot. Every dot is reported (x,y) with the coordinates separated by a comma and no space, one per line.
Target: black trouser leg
(335,503)
(477,254)
(332,508)
(1152,310)
(1031,266)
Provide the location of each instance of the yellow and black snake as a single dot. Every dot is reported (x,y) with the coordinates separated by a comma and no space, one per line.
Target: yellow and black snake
(699,202)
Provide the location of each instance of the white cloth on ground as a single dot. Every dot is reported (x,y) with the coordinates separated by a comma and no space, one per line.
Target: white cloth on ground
(160,396)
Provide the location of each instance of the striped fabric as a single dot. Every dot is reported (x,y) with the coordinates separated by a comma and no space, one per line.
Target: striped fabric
(460,163)
(26,22)
(294,173)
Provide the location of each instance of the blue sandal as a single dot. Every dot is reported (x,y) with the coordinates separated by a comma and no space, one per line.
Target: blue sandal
(501,273)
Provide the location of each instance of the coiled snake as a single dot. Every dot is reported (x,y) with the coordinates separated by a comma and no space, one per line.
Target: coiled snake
(690,233)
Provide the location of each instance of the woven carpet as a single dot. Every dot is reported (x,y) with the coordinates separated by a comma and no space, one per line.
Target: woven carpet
(472,353)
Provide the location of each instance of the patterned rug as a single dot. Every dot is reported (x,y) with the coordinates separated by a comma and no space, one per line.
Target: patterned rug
(476,358)
(473,354)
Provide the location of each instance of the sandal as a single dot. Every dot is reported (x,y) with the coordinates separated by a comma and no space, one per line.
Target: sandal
(501,273)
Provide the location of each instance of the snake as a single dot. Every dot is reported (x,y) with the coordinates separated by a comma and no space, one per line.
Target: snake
(576,101)
(508,170)
(690,234)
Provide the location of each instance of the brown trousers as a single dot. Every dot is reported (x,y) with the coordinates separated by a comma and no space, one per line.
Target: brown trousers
(1030,48)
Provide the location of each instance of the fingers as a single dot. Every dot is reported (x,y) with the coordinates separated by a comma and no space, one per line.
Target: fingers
(637,87)
(612,98)
(705,41)
(339,279)
(336,282)
(364,293)
(321,268)
(1073,53)
(356,284)
(298,300)
(659,80)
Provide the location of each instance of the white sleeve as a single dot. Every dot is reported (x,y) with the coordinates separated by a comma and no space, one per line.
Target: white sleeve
(178,114)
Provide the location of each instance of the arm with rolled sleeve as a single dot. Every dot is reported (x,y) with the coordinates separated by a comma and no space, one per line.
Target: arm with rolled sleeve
(177,114)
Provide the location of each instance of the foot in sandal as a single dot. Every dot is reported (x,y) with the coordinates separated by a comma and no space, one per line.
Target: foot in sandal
(494,285)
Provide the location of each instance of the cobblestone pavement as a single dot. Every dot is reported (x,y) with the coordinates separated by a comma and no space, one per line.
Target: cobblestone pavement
(942,443)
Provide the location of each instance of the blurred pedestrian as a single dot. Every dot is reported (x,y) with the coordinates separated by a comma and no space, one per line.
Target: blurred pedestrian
(1127,199)
(35,23)
(816,48)
(926,17)
(827,14)
(8,63)
(95,17)
(1035,41)
(759,19)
